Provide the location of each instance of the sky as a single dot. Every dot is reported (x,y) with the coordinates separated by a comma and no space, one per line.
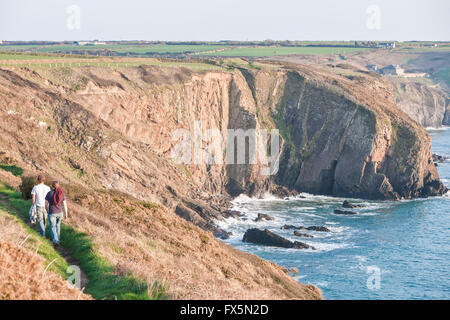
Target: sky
(213,20)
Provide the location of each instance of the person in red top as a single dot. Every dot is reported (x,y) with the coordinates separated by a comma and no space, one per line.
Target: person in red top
(55,203)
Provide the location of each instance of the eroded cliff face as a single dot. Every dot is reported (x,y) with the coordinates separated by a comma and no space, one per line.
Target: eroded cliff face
(342,133)
(446,121)
(423,103)
(344,136)
(88,128)
(110,133)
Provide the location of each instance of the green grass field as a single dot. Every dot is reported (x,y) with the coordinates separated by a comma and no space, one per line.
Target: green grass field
(167,49)
(275,51)
(21,56)
(53,61)
(119,48)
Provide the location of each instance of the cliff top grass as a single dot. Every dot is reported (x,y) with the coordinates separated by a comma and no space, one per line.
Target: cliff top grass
(36,61)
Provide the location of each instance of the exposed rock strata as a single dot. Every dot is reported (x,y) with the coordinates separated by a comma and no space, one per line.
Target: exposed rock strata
(341,136)
(424,103)
(268,238)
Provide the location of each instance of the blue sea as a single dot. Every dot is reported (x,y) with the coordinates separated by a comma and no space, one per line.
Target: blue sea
(390,250)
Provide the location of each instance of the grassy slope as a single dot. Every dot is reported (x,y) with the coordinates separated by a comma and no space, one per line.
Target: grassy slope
(103,283)
(443,75)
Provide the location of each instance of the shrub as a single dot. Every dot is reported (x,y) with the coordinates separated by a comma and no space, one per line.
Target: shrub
(15,170)
(27,185)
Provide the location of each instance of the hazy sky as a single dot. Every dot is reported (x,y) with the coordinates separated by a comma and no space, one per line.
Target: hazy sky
(225,20)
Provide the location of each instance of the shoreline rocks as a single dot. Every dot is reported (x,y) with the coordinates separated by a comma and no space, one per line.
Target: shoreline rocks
(304,235)
(343,212)
(263,216)
(268,238)
(440,159)
(312,228)
(346,204)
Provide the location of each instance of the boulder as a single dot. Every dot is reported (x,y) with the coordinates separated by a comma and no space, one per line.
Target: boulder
(312,228)
(263,216)
(343,212)
(288,227)
(232,214)
(268,238)
(316,228)
(194,217)
(304,235)
(440,159)
(348,205)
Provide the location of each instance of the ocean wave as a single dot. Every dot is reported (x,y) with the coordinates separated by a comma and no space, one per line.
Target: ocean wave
(325,247)
(443,128)
(242,198)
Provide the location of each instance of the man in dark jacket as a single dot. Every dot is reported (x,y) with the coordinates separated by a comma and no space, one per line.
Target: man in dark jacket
(55,203)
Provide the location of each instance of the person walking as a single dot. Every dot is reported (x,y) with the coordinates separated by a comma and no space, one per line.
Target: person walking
(56,205)
(38,194)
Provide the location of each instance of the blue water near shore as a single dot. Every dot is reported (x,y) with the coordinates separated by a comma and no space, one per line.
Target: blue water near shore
(390,250)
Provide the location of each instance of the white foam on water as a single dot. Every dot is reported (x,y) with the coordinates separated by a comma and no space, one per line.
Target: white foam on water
(325,247)
(307,208)
(443,128)
(338,229)
(361,258)
(307,214)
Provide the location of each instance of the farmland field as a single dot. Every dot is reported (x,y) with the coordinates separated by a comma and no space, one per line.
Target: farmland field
(119,48)
(275,51)
(47,61)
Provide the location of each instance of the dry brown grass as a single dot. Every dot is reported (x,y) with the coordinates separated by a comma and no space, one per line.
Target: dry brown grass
(156,245)
(23,276)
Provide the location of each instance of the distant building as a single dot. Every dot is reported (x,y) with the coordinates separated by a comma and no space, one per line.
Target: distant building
(391,70)
(430,45)
(386,45)
(89,43)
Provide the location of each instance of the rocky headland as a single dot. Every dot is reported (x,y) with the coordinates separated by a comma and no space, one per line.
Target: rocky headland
(107,134)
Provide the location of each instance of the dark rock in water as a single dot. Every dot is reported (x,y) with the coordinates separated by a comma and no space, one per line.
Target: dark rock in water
(349,205)
(344,212)
(302,245)
(288,227)
(440,159)
(316,228)
(232,213)
(312,228)
(283,192)
(263,216)
(305,235)
(222,234)
(268,238)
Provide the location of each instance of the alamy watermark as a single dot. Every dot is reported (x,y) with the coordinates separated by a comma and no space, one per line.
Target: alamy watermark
(73,21)
(74,279)
(374,279)
(373,21)
(241,146)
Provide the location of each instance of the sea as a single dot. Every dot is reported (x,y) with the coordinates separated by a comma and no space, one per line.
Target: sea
(389,250)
